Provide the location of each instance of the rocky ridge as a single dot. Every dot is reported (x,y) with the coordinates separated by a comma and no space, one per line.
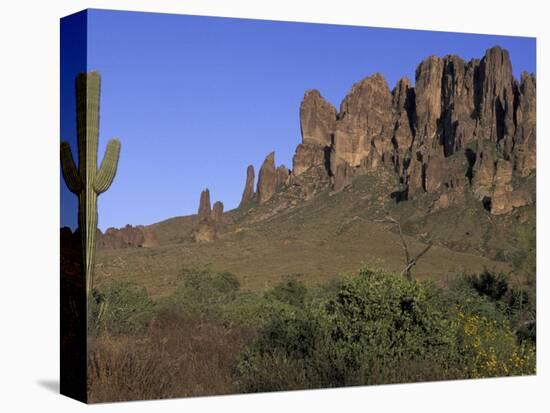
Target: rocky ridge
(127,237)
(464,126)
(463,129)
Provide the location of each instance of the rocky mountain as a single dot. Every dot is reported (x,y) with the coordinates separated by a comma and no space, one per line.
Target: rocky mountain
(248,192)
(209,219)
(461,138)
(463,127)
(450,155)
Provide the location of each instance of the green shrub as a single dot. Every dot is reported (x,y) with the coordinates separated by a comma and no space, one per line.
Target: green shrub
(490,296)
(203,293)
(461,296)
(291,292)
(382,318)
(245,310)
(494,286)
(289,329)
(119,308)
(372,318)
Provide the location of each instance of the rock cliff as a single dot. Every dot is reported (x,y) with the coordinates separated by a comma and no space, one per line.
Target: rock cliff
(463,126)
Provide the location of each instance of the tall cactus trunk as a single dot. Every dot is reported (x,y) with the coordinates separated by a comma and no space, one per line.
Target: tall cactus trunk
(87,181)
(88,224)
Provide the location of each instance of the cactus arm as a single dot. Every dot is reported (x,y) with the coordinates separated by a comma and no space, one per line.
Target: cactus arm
(107,170)
(68,168)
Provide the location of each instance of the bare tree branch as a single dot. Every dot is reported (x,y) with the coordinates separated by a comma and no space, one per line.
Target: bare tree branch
(409,263)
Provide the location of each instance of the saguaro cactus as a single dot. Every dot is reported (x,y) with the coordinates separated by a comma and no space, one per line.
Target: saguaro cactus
(87,182)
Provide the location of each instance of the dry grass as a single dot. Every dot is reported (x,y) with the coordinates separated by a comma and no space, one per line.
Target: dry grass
(174,358)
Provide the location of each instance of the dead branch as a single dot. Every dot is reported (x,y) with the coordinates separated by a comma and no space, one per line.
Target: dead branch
(409,263)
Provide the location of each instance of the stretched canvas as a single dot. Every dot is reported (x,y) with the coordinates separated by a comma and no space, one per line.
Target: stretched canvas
(255,206)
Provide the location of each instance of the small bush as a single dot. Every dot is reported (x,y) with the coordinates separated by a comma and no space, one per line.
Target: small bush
(494,286)
(460,296)
(120,307)
(491,296)
(291,292)
(289,329)
(245,310)
(203,293)
(382,318)
(488,348)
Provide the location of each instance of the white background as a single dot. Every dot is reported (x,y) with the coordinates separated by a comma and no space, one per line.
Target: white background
(29,204)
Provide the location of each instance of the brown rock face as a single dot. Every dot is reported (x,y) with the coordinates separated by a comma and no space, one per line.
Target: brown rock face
(364,128)
(464,126)
(427,152)
(283,175)
(525,156)
(209,220)
(455,129)
(342,177)
(151,238)
(403,99)
(124,237)
(467,109)
(505,197)
(307,156)
(127,237)
(204,206)
(429,75)
(415,174)
(434,173)
(317,119)
(217,212)
(457,123)
(502,186)
(205,231)
(492,181)
(496,95)
(248,192)
(267,179)
(484,169)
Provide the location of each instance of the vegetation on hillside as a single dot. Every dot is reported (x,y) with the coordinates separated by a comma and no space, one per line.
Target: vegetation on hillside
(369,327)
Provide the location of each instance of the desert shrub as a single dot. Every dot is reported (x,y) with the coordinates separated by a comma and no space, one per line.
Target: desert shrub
(289,329)
(246,310)
(287,339)
(291,292)
(489,284)
(488,348)
(527,332)
(372,319)
(382,318)
(120,307)
(201,292)
(491,296)
(461,296)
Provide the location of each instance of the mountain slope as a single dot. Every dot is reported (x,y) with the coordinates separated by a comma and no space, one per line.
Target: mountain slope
(452,158)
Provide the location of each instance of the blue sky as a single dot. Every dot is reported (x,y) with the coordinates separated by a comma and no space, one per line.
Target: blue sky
(194,100)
